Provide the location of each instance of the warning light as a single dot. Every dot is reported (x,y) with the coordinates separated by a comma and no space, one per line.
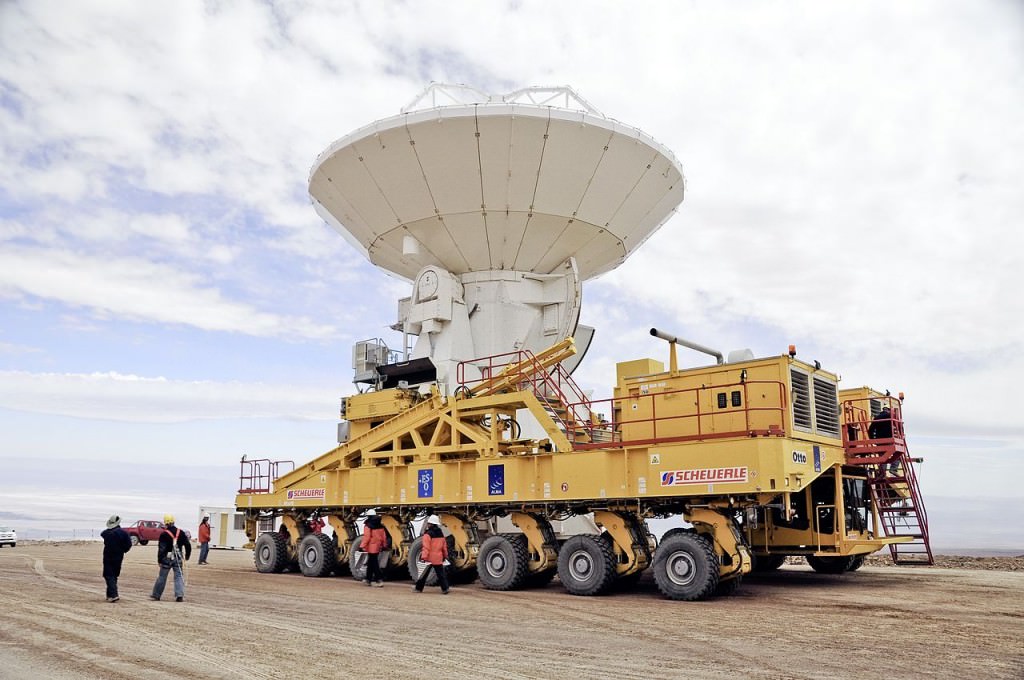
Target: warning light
(901,397)
(792,350)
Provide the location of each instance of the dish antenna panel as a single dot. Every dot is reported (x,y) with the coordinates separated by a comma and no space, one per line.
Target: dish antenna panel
(496,207)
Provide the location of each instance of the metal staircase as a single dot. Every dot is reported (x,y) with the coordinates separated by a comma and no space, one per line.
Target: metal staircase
(901,511)
(878,443)
(543,376)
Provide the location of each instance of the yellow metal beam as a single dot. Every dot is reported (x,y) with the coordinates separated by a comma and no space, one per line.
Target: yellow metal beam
(724,538)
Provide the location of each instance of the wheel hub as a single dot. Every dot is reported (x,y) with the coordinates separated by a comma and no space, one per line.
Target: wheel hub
(681,568)
(496,563)
(581,566)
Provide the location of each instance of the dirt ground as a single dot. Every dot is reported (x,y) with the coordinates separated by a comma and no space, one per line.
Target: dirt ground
(882,621)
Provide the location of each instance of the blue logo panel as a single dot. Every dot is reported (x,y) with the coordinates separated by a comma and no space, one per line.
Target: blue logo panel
(425,483)
(495,480)
(817,459)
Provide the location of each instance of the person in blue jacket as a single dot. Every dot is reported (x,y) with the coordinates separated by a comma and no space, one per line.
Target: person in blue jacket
(116,542)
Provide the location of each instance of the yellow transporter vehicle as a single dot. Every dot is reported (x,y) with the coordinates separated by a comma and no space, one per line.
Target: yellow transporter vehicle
(741,450)
(497,209)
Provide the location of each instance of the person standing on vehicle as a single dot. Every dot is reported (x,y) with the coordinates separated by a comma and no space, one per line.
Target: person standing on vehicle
(204,538)
(882,428)
(375,540)
(434,551)
(173,551)
(116,542)
(881,425)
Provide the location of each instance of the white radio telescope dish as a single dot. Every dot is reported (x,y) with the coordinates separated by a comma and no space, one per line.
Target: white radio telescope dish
(472,182)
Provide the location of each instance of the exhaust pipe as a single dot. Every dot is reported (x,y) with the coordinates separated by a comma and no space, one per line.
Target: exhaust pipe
(686,343)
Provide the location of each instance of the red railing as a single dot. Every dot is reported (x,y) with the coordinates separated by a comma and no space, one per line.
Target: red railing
(861,447)
(574,412)
(549,386)
(665,427)
(257,475)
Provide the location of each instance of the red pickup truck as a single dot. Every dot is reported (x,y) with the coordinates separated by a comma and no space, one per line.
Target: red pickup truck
(146,530)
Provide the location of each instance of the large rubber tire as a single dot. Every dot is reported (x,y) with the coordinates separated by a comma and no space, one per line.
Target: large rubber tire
(586,565)
(270,554)
(316,555)
(502,562)
(856,563)
(146,542)
(764,563)
(135,540)
(829,565)
(686,568)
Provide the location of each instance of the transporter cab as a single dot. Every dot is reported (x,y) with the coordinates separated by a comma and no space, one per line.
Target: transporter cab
(760,458)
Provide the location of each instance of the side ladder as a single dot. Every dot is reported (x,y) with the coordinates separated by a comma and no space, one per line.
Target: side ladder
(874,438)
(897,498)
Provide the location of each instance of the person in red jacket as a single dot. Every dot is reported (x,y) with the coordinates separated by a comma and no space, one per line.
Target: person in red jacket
(375,539)
(204,538)
(434,552)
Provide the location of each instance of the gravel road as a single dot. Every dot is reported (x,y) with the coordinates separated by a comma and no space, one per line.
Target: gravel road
(892,622)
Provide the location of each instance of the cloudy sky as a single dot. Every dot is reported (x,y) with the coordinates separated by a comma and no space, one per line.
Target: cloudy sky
(169,300)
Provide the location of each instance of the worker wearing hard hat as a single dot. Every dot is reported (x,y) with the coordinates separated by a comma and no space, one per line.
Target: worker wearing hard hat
(433,551)
(116,543)
(375,541)
(204,538)
(173,551)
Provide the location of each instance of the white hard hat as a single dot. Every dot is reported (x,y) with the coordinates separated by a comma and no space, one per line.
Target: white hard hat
(371,513)
(206,515)
(434,519)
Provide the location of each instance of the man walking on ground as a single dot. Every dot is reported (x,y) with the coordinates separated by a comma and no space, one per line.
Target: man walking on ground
(375,540)
(174,550)
(434,552)
(116,542)
(204,538)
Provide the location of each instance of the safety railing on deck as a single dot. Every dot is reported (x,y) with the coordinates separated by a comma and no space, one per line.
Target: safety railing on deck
(872,439)
(258,475)
(553,387)
(577,415)
(694,423)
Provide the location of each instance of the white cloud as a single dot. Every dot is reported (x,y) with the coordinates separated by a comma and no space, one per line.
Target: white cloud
(132,398)
(137,289)
(853,172)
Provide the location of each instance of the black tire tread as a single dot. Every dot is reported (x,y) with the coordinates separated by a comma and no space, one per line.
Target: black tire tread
(278,558)
(604,562)
(702,551)
(518,559)
(327,556)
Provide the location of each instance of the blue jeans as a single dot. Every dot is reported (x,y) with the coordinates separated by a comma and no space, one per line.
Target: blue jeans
(204,548)
(161,580)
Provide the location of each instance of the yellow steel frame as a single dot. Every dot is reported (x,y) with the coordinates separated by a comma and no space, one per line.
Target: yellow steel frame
(437,453)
